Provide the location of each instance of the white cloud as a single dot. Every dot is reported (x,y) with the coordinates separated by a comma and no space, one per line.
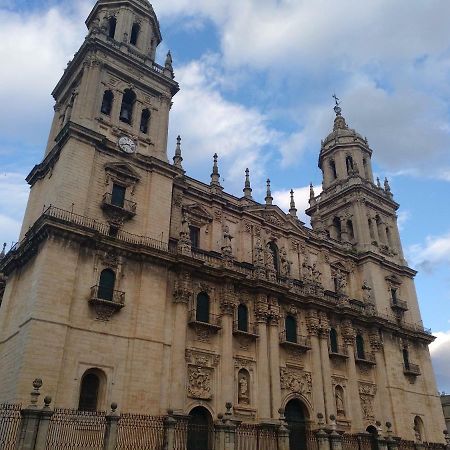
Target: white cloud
(440,355)
(403,217)
(435,251)
(282,198)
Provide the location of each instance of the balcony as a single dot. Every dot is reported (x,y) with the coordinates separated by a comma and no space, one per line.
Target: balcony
(106,302)
(368,359)
(399,305)
(210,324)
(411,369)
(300,343)
(339,352)
(124,208)
(249,331)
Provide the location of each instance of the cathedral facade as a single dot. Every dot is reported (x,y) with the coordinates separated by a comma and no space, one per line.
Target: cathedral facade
(134,283)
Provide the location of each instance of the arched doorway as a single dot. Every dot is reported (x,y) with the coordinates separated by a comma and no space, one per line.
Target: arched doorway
(296,417)
(199,429)
(372,430)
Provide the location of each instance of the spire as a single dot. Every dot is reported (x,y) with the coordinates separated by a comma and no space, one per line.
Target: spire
(247,188)
(269,198)
(3,253)
(215,176)
(293,209)
(178,159)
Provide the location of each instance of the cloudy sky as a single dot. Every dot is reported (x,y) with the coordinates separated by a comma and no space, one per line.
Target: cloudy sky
(257,78)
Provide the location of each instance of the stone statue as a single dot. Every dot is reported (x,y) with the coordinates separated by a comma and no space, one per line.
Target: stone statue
(243,396)
(285,263)
(227,249)
(316,274)
(339,402)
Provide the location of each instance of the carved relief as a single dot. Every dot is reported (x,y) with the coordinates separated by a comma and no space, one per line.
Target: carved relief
(182,292)
(296,381)
(200,382)
(243,387)
(367,393)
(201,358)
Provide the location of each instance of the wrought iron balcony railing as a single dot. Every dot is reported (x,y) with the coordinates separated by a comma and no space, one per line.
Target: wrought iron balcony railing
(366,358)
(411,369)
(399,305)
(127,207)
(250,329)
(105,294)
(302,343)
(339,351)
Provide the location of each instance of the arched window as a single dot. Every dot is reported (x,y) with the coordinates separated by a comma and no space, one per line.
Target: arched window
(333,169)
(273,248)
(333,341)
(419,428)
(339,398)
(406,358)
(145,121)
(242,313)
(337,228)
(135,34)
(112,22)
(360,354)
(351,231)
(126,110)
(202,308)
(349,164)
(107,103)
(243,387)
(106,284)
(291,329)
(89,391)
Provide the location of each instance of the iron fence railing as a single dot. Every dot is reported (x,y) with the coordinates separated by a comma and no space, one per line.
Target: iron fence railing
(10,418)
(297,340)
(196,317)
(140,432)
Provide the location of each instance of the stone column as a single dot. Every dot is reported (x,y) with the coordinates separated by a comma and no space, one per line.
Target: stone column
(226,359)
(283,437)
(264,411)
(112,422)
(169,431)
(312,324)
(181,296)
(274,365)
(322,440)
(330,407)
(349,335)
(46,415)
(335,440)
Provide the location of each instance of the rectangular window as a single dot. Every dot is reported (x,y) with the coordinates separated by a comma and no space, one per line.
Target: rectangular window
(118,195)
(195,236)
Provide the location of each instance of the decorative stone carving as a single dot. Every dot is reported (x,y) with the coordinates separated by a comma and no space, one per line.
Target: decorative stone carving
(312,322)
(367,393)
(184,243)
(227,249)
(228,300)
(348,332)
(375,340)
(200,382)
(367,292)
(296,381)
(316,274)
(182,292)
(201,358)
(258,259)
(285,265)
(244,363)
(243,387)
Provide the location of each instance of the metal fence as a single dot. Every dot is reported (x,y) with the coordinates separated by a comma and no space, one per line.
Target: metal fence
(76,430)
(140,432)
(357,442)
(256,437)
(10,418)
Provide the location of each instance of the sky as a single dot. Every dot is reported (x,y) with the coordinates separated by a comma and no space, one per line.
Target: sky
(257,79)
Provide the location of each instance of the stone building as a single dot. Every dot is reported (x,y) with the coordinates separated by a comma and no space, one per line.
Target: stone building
(445,400)
(134,283)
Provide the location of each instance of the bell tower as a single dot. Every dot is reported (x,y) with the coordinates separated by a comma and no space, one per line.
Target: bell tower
(111,107)
(352,209)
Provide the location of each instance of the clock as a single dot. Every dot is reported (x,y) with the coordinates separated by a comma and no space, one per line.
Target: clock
(127,144)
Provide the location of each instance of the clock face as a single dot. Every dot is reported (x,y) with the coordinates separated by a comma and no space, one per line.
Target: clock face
(127,144)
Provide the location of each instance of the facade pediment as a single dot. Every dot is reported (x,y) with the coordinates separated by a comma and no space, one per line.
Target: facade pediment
(123,170)
(198,213)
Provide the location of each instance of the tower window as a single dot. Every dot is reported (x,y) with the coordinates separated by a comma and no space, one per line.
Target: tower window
(333,169)
(406,358)
(118,195)
(202,309)
(194,233)
(106,285)
(112,22)
(242,318)
(351,231)
(135,34)
(126,111)
(291,329)
(394,295)
(349,164)
(145,121)
(388,236)
(107,103)
(337,228)
(366,168)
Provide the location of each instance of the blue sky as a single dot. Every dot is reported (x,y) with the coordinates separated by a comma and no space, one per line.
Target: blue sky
(256,82)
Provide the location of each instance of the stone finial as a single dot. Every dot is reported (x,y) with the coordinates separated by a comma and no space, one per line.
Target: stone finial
(311,191)
(320,420)
(178,159)
(113,408)
(292,209)
(387,187)
(169,61)
(247,188)
(228,406)
(3,253)
(269,198)
(337,108)
(215,176)
(378,183)
(47,401)
(37,384)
